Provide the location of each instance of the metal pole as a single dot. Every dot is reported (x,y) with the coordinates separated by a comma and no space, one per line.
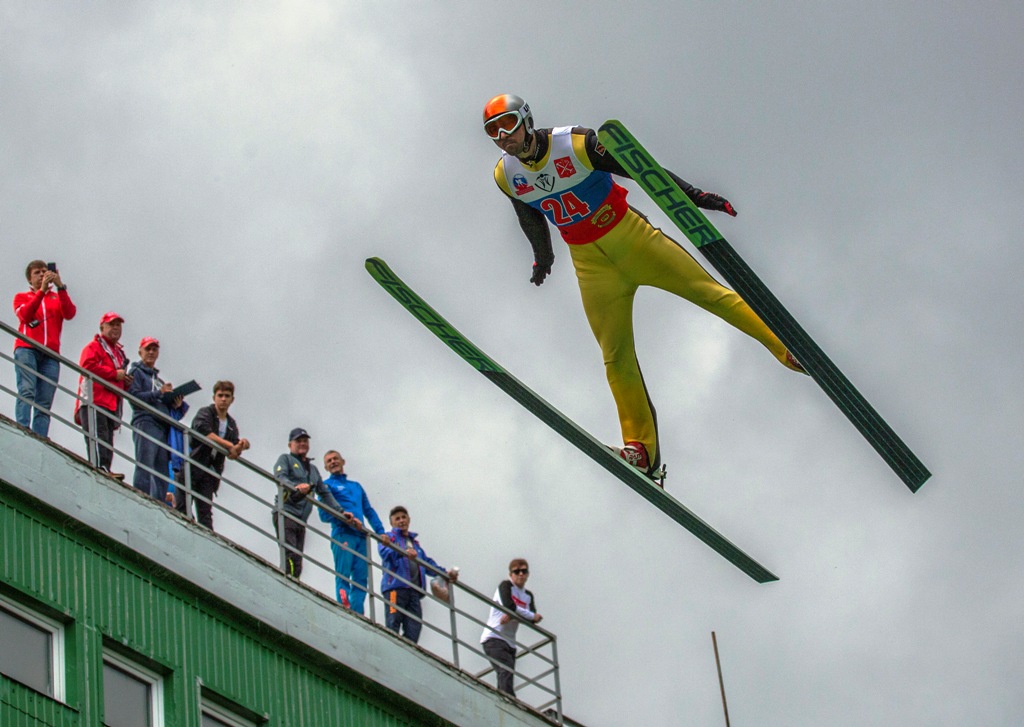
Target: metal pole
(558,680)
(187,479)
(451,613)
(369,577)
(90,417)
(721,684)
(279,521)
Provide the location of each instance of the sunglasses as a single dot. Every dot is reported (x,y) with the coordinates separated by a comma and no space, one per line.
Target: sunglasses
(507,122)
(520,571)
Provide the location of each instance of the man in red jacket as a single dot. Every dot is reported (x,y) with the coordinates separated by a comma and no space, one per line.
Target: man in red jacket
(104,357)
(41,312)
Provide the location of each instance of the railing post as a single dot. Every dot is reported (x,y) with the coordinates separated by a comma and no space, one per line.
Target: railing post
(558,682)
(186,480)
(451,613)
(369,577)
(90,415)
(279,517)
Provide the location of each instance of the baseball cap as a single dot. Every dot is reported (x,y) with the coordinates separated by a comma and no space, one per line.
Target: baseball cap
(298,433)
(111,316)
(148,341)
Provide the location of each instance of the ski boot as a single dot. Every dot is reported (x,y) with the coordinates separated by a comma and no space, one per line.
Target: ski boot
(635,454)
(792,363)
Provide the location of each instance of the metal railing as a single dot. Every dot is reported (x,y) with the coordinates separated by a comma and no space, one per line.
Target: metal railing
(536,671)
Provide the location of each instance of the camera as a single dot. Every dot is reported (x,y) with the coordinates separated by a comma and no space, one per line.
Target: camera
(52,267)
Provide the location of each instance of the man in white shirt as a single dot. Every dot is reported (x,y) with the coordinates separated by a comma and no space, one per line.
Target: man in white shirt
(499,637)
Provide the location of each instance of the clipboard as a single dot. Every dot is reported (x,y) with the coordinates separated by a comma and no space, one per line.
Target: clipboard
(185,389)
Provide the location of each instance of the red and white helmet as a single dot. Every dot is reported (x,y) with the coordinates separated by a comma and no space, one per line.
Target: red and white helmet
(504,113)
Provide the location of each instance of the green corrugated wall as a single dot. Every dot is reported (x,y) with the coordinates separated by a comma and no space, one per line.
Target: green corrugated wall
(110,597)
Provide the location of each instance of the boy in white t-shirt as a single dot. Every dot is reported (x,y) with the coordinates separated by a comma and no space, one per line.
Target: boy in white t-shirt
(499,637)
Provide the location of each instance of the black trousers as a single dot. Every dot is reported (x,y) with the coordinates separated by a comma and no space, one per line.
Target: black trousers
(203,484)
(500,652)
(295,538)
(103,454)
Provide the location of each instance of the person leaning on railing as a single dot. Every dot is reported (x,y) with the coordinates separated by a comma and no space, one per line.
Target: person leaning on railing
(350,551)
(404,581)
(499,637)
(215,423)
(299,479)
(103,357)
(41,312)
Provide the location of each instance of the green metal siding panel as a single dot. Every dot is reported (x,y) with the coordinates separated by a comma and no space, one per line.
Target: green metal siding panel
(23,707)
(115,595)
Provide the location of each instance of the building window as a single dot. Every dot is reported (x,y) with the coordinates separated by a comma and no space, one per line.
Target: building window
(32,649)
(215,715)
(133,696)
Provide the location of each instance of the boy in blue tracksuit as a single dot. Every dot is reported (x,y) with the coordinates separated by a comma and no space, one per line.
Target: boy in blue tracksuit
(350,552)
(405,558)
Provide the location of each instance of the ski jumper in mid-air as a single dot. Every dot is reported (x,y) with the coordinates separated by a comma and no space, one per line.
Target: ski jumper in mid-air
(564,176)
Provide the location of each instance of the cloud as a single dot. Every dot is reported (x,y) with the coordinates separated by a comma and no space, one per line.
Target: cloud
(219,174)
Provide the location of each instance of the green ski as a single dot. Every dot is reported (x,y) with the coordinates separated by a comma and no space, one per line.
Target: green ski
(646,172)
(597,451)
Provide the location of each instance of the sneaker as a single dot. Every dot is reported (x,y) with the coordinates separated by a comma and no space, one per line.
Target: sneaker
(343,598)
(792,363)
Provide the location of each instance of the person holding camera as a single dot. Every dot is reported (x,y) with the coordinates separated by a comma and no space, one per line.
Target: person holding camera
(41,312)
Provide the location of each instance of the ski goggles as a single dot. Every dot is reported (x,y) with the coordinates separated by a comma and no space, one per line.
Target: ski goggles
(507,122)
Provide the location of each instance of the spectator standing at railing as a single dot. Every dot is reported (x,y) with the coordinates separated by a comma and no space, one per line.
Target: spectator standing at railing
(41,313)
(104,357)
(148,387)
(298,478)
(214,422)
(350,551)
(499,637)
(404,579)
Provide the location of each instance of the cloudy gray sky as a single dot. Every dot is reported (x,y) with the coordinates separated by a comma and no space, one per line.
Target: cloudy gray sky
(218,172)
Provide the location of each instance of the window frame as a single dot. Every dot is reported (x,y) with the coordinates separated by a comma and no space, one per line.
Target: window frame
(224,714)
(153,679)
(58,651)
(230,711)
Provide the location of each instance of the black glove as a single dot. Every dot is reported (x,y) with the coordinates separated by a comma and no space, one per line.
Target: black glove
(540,271)
(711,201)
